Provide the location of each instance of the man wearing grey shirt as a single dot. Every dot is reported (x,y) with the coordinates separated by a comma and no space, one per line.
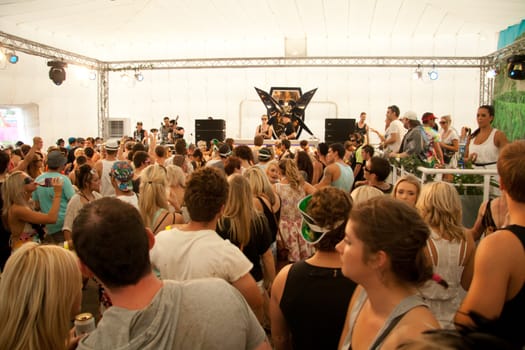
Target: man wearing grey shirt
(147,313)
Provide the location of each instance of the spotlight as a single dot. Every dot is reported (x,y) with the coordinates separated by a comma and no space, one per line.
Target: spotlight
(492,73)
(125,78)
(57,73)
(12,57)
(433,74)
(139,76)
(92,75)
(418,73)
(516,67)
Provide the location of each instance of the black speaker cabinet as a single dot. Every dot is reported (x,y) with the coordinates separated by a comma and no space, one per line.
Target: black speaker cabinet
(209,129)
(210,124)
(338,130)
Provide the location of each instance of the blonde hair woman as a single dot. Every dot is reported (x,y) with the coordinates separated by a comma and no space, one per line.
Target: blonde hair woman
(265,199)
(21,219)
(450,249)
(407,189)
(40,292)
(153,200)
(176,182)
(272,171)
(292,188)
(248,229)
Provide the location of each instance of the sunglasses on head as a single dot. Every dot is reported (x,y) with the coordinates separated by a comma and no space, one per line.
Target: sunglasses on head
(310,231)
(28,180)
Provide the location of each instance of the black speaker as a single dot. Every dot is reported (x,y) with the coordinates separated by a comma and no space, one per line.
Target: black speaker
(338,130)
(209,129)
(210,124)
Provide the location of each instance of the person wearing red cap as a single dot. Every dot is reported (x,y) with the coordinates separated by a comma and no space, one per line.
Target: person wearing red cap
(429,124)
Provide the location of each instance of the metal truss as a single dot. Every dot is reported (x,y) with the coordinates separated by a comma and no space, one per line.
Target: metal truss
(277,62)
(33,48)
(484,64)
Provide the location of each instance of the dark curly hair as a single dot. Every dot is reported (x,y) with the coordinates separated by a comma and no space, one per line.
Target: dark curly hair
(206,192)
(328,207)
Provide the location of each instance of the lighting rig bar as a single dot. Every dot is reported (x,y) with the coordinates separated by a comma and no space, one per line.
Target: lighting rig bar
(29,47)
(276,62)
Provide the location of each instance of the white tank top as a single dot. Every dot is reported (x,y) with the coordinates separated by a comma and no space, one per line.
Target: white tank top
(106,188)
(487,151)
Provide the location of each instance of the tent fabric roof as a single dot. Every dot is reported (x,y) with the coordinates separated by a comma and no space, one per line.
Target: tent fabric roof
(157,29)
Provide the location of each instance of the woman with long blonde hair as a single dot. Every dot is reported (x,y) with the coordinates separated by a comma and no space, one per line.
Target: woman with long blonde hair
(265,199)
(25,223)
(292,188)
(450,249)
(40,293)
(248,229)
(153,200)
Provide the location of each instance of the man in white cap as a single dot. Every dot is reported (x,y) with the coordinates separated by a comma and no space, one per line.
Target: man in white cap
(103,168)
(414,141)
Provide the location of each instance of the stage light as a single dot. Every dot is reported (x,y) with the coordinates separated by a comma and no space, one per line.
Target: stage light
(492,73)
(516,67)
(12,57)
(139,76)
(92,75)
(433,74)
(57,73)
(418,73)
(125,78)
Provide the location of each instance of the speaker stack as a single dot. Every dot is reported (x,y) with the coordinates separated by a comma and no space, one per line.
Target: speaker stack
(209,129)
(338,130)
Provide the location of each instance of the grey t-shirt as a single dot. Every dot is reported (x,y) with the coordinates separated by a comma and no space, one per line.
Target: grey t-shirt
(198,314)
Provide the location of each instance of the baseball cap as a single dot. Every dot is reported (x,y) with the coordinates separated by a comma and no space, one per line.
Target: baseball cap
(427,117)
(264,154)
(410,115)
(55,159)
(310,231)
(71,139)
(225,151)
(122,172)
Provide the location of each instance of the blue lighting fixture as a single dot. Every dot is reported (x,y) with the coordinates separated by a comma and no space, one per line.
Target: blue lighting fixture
(12,57)
(139,76)
(433,74)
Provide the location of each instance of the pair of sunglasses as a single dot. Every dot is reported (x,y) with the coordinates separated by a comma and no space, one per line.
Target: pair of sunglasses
(310,231)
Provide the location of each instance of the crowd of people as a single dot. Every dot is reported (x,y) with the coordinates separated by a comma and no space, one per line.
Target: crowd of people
(224,246)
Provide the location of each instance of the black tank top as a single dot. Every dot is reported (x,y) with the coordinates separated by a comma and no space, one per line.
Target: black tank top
(362,130)
(273,219)
(314,303)
(508,325)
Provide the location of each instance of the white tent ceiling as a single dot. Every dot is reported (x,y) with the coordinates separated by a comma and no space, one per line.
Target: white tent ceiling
(157,29)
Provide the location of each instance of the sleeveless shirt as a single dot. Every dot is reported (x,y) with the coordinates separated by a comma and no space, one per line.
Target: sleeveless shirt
(346,178)
(487,151)
(508,325)
(314,303)
(399,311)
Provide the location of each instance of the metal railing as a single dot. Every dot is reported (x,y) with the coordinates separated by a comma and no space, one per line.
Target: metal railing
(425,172)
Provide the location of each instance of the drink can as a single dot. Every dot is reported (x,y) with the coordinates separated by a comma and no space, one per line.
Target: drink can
(84,323)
